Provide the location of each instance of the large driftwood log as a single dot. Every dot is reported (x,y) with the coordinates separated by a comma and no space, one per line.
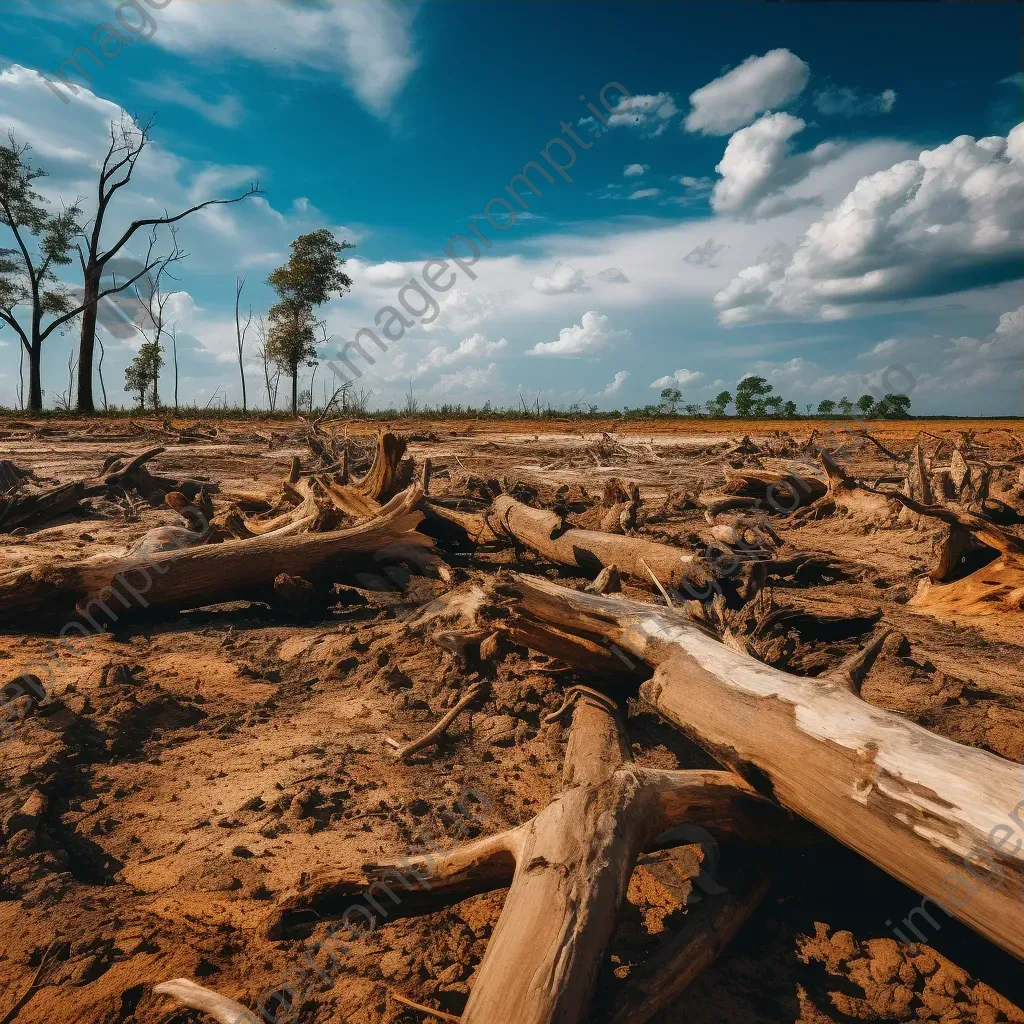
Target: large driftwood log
(36,509)
(945,819)
(202,575)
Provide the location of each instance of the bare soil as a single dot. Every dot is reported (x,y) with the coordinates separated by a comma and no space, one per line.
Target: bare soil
(190,770)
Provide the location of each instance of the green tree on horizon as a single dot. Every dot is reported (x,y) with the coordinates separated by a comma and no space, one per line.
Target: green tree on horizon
(749,392)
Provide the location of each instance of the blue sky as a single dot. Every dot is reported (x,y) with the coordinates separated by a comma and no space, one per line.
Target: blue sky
(810,192)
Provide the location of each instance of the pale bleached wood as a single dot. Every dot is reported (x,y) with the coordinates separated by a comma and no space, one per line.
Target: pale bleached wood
(916,804)
(220,1008)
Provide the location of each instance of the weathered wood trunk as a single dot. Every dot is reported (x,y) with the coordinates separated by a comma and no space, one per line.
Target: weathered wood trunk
(592,550)
(222,572)
(945,819)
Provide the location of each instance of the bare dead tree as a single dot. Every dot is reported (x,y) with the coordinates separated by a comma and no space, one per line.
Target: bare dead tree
(128,142)
(272,379)
(174,349)
(21,377)
(64,398)
(240,333)
(99,370)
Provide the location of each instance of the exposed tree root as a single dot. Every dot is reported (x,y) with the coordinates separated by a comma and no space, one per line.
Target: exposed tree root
(995,588)
(708,929)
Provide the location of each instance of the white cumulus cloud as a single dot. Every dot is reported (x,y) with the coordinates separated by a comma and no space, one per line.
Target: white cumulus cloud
(468,379)
(678,379)
(757,165)
(473,347)
(635,170)
(737,97)
(616,384)
(561,280)
(591,334)
(950,220)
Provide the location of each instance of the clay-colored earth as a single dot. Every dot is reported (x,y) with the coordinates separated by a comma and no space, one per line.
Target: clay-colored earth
(171,803)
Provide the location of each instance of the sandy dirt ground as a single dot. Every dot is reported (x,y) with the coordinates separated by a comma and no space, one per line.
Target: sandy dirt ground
(188,771)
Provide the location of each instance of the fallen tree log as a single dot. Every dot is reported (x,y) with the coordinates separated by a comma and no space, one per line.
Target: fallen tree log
(921,807)
(765,490)
(202,575)
(591,550)
(123,472)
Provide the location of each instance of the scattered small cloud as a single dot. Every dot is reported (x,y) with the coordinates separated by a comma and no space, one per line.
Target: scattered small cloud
(468,379)
(678,379)
(649,114)
(591,334)
(562,280)
(612,275)
(846,102)
(635,170)
(696,189)
(615,385)
(645,193)
(473,347)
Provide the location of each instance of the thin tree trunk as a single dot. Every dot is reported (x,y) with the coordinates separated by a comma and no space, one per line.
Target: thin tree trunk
(99,368)
(21,377)
(87,340)
(295,390)
(240,334)
(174,344)
(35,380)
